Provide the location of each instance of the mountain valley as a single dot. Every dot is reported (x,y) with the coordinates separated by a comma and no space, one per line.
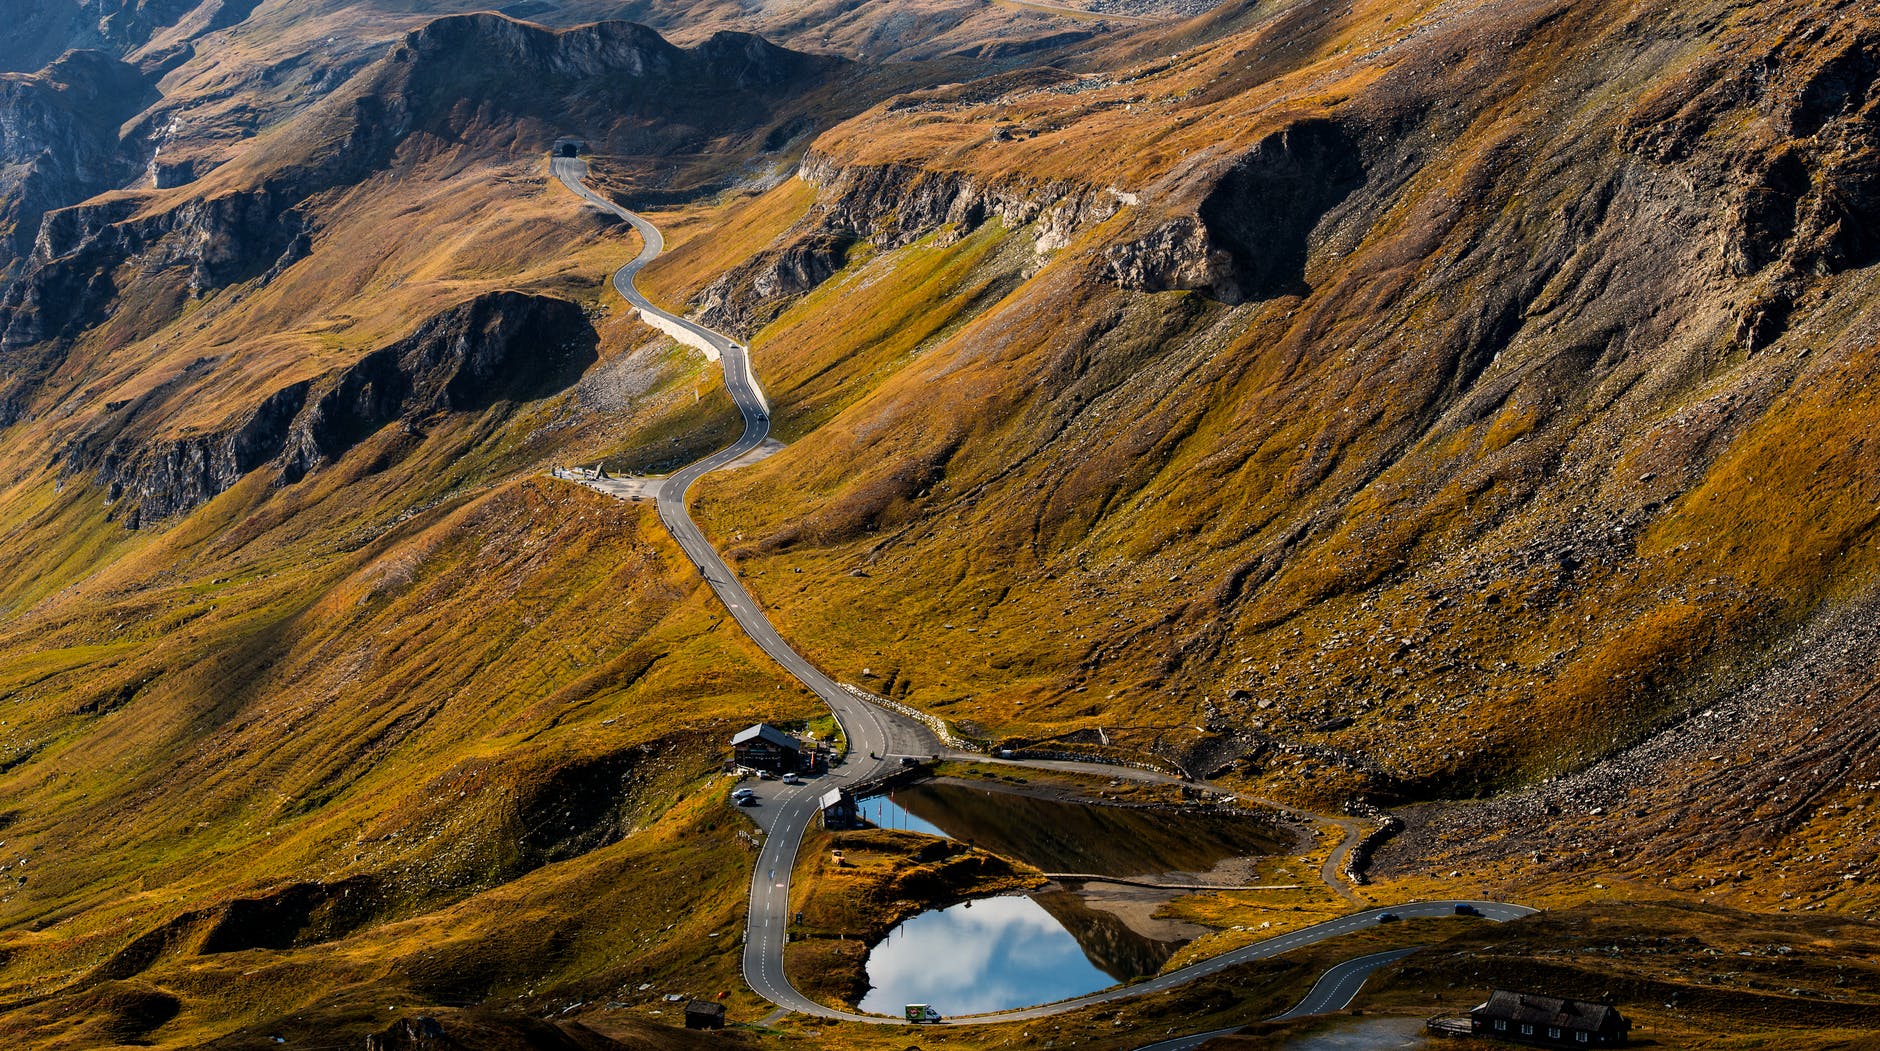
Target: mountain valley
(1444,426)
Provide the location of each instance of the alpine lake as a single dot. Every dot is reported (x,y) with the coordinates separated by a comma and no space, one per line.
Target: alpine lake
(1073,936)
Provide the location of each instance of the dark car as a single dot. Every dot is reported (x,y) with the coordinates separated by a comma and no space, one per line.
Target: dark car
(1466,909)
(1389,917)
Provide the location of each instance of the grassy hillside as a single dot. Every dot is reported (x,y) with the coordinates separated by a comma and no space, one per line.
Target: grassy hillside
(1455,406)
(1549,443)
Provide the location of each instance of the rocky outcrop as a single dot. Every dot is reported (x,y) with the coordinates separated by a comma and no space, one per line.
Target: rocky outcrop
(59,141)
(1249,234)
(215,241)
(503,346)
(624,86)
(1179,254)
(891,206)
(747,298)
(500,346)
(601,50)
(40,31)
(1798,205)
(175,475)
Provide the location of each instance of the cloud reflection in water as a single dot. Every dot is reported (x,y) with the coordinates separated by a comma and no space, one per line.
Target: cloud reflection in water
(987,955)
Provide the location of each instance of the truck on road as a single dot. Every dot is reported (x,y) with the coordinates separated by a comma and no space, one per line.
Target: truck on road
(922,1013)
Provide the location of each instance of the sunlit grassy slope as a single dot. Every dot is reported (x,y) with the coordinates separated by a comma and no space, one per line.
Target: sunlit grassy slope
(1538,455)
(360,701)
(1548,432)
(312,749)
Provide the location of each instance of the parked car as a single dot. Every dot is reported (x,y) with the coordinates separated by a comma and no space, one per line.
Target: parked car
(765,775)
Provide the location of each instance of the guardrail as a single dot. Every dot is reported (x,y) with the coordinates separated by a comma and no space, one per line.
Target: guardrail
(937,725)
(1092,757)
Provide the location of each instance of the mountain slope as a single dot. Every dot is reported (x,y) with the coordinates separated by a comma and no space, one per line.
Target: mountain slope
(1459,406)
(1413,403)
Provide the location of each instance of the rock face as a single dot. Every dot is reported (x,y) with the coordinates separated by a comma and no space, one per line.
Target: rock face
(40,31)
(68,283)
(1248,237)
(59,140)
(500,346)
(621,84)
(891,206)
(1179,254)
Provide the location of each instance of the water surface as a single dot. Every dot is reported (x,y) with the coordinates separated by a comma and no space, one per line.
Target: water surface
(885,812)
(1058,836)
(1006,952)
(987,955)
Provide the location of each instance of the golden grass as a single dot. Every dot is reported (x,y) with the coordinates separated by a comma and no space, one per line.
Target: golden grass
(703,244)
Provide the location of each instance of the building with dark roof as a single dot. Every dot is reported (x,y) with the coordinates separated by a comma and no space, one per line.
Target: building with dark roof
(839,809)
(1549,1021)
(704,1014)
(764,747)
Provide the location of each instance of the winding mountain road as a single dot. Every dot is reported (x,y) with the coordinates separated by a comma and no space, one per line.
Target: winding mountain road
(785,811)
(1334,991)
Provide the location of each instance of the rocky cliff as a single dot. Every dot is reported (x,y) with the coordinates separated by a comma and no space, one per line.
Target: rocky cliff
(618,84)
(41,30)
(496,347)
(59,141)
(890,206)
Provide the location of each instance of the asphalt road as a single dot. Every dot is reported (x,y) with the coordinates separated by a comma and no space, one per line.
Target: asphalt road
(786,811)
(1337,987)
(1334,991)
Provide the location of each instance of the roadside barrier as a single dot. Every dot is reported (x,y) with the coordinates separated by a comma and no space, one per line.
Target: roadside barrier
(938,726)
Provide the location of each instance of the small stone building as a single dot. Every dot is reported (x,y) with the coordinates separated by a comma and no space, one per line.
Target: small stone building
(1549,1021)
(764,747)
(704,1014)
(839,810)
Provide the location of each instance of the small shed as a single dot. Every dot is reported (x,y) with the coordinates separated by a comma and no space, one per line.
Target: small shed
(839,810)
(1550,1021)
(704,1014)
(764,747)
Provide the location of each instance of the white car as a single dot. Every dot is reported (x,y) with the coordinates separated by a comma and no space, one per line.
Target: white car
(792,779)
